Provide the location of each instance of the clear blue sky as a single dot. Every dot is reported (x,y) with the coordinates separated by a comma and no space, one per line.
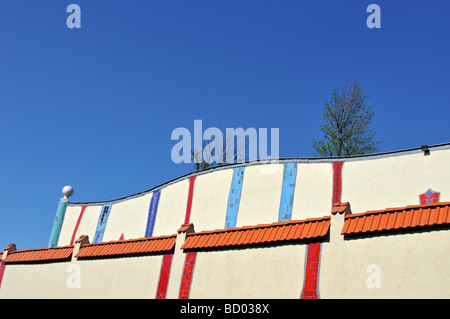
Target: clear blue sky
(94,107)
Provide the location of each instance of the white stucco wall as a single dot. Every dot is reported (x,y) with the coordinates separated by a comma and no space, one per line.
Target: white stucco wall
(409,265)
(130,277)
(275,272)
(126,277)
(261,194)
(172,208)
(313,190)
(210,200)
(44,280)
(87,224)
(395,181)
(128,217)
(412,265)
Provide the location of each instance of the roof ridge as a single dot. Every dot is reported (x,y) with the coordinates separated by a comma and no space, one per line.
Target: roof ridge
(267,233)
(37,249)
(131,240)
(100,243)
(39,254)
(123,247)
(259,226)
(407,217)
(398,209)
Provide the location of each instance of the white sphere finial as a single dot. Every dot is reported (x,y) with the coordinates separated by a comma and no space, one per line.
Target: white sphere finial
(67,191)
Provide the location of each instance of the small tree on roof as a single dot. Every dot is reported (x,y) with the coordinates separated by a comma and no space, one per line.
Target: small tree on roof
(346,127)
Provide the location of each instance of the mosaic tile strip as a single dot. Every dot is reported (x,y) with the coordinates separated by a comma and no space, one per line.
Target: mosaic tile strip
(311,283)
(164,276)
(188,272)
(287,192)
(83,208)
(152,213)
(189,203)
(2,270)
(234,197)
(337,182)
(101,225)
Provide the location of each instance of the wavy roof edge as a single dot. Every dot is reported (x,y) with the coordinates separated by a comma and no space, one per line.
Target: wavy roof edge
(409,151)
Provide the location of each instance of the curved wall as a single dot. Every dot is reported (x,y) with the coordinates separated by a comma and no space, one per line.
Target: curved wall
(255,193)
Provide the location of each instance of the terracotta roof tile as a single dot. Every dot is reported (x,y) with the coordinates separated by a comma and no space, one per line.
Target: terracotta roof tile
(258,234)
(184,227)
(82,238)
(340,207)
(11,247)
(398,218)
(130,246)
(39,254)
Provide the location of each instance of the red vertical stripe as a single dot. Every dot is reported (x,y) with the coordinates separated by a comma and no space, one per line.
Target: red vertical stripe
(78,223)
(310,286)
(2,270)
(189,203)
(164,276)
(188,271)
(337,182)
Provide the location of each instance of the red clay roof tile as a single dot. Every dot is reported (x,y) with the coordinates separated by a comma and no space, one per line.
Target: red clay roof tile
(262,233)
(398,218)
(129,246)
(39,254)
(184,228)
(11,247)
(340,207)
(81,238)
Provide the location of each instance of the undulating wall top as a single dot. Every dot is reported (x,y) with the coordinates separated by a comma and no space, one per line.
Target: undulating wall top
(261,192)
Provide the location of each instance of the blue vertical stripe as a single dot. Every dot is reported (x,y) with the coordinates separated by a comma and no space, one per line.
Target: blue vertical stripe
(101,225)
(234,197)
(152,213)
(287,192)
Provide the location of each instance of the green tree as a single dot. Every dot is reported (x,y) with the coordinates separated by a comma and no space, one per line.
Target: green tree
(346,127)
